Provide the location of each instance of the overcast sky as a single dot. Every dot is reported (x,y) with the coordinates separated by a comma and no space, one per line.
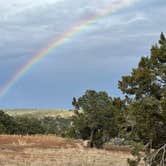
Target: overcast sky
(95,59)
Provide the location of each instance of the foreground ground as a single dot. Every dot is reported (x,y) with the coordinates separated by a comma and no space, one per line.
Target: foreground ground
(55,151)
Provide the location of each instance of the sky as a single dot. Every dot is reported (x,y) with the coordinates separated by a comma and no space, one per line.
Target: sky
(95,58)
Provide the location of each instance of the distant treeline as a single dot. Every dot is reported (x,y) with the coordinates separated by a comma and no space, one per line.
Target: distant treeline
(30,125)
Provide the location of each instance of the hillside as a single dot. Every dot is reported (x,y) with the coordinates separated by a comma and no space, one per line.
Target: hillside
(40,112)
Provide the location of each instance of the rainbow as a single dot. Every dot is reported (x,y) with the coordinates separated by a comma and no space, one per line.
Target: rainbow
(62,39)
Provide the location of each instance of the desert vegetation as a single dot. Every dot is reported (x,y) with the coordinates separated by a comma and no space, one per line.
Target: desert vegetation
(117,131)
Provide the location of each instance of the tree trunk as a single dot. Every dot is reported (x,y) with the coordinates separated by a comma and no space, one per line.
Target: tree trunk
(91,137)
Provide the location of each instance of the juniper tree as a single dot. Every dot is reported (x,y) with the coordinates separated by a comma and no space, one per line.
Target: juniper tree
(97,120)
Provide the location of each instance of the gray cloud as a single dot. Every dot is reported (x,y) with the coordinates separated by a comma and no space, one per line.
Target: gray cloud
(108,48)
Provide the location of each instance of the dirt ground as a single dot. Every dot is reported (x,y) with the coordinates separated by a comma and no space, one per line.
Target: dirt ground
(55,151)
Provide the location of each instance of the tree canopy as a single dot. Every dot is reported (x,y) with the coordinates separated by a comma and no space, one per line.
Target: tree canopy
(96,120)
(149,78)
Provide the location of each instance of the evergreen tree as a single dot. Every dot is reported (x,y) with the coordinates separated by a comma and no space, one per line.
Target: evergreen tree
(149,78)
(146,88)
(96,121)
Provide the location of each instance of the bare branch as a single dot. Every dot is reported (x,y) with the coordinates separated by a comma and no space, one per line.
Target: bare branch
(163,156)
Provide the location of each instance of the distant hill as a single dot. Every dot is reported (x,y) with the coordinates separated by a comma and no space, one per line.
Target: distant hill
(40,112)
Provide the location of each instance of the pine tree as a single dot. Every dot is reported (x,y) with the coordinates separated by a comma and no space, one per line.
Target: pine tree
(146,87)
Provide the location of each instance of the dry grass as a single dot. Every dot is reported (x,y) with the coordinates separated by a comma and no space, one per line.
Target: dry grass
(116,148)
(55,151)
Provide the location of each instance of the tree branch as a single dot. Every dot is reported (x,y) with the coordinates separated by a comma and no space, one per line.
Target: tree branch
(163,156)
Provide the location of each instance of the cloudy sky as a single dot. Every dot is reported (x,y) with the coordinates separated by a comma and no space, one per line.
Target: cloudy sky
(95,58)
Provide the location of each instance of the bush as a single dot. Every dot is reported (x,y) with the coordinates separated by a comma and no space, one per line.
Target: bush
(2,129)
(28,125)
(7,123)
